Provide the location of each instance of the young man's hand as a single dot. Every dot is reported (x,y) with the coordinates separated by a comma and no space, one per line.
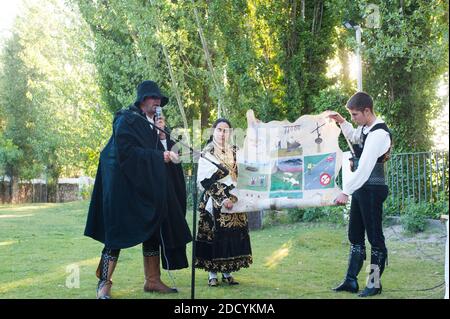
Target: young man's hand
(342,199)
(336,117)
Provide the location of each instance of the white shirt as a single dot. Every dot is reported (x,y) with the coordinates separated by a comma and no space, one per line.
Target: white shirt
(150,119)
(377,144)
(163,142)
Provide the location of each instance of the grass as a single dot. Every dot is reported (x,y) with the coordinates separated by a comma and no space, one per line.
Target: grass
(42,244)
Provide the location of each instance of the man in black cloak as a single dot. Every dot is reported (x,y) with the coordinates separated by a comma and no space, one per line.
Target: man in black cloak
(139,196)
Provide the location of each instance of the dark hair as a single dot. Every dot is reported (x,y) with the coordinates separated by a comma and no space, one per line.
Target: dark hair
(359,101)
(217,122)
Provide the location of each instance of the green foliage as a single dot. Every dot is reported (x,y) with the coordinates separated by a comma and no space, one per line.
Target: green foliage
(438,207)
(264,54)
(49,99)
(69,65)
(17,113)
(86,191)
(9,153)
(430,209)
(413,217)
(273,217)
(290,262)
(296,215)
(404,60)
(390,207)
(329,214)
(333,98)
(313,214)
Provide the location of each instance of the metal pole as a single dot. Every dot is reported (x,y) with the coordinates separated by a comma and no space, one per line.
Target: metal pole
(418,176)
(194,224)
(407,173)
(358,58)
(425,175)
(402,182)
(430,155)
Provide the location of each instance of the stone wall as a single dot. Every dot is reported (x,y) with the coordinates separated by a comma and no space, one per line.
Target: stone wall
(255,220)
(68,193)
(5,196)
(37,193)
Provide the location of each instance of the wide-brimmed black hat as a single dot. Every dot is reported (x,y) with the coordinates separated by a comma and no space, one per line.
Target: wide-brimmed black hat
(149,88)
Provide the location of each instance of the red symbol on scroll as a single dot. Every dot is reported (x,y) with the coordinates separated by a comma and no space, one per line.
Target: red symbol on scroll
(325,179)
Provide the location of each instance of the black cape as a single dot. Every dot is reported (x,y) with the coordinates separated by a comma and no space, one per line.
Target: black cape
(136,194)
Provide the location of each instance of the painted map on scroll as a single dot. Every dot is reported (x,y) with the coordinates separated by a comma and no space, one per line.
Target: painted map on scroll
(288,165)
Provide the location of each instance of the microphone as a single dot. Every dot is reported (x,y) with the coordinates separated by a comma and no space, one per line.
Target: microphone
(158,113)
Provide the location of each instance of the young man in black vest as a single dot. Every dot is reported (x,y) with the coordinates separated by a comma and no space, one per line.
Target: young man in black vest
(371,142)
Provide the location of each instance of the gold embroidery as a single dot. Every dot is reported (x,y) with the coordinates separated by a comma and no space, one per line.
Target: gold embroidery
(227,157)
(231,264)
(233,220)
(205,232)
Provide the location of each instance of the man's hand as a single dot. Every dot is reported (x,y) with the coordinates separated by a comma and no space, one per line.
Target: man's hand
(336,117)
(166,156)
(161,123)
(228,204)
(342,199)
(174,157)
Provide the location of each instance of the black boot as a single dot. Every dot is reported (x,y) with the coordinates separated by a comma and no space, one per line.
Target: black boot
(378,260)
(355,263)
(104,273)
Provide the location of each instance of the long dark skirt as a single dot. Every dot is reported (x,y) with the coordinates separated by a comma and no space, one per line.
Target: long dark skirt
(223,242)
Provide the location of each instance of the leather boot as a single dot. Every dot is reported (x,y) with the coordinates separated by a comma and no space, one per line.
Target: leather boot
(355,263)
(104,273)
(152,273)
(378,260)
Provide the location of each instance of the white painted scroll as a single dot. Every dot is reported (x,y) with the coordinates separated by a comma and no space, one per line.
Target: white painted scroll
(288,165)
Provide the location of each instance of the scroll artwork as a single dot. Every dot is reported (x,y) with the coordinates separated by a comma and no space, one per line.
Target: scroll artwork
(288,165)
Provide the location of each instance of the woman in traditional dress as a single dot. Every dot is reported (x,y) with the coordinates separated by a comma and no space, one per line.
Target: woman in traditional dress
(223,241)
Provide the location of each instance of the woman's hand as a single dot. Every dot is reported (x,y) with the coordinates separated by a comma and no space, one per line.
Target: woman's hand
(228,203)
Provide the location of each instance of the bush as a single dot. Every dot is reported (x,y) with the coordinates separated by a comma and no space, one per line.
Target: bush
(414,216)
(273,217)
(439,207)
(330,214)
(335,214)
(86,191)
(432,209)
(295,215)
(390,207)
(313,214)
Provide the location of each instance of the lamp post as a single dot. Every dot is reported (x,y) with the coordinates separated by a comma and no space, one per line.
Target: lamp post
(352,26)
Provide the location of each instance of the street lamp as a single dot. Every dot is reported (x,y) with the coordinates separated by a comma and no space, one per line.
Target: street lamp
(352,26)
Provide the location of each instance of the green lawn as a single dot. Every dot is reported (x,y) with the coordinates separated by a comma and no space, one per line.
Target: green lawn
(41,243)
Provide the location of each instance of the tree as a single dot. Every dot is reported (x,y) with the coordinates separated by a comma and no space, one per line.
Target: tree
(50,102)
(404,61)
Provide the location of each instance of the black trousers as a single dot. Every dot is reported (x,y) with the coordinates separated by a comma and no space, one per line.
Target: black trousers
(366,212)
(150,247)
